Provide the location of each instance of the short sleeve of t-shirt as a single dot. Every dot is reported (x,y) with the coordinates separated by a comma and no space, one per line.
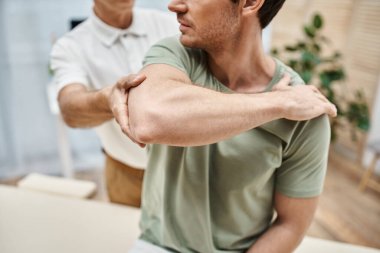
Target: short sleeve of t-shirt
(65,63)
(169,51)
(304,165)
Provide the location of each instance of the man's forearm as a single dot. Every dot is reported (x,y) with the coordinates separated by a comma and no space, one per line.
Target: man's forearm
(82,108)
(186,115)
(168,109)
(280,238)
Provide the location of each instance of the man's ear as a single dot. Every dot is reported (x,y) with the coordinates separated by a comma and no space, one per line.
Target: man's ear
(252,6)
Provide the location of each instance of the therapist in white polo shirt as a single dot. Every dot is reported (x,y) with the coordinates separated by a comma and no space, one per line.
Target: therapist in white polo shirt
(89,63)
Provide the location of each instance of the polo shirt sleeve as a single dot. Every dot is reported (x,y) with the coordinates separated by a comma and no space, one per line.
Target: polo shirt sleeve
(304,164)
(65,63)
(171,52)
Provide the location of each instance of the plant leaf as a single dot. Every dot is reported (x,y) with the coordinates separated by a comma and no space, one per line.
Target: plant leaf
(337,55)
(325,80)
(316,47)
(290,48)
(309,31)
(274,51)
(317,21)
(301,45)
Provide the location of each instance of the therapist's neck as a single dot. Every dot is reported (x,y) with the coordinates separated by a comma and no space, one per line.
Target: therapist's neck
(117,18)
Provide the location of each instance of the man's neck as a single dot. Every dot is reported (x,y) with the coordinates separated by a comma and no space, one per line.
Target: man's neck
(118,20)
(242,65)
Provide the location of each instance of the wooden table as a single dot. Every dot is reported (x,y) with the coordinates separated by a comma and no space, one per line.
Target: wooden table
(33,222)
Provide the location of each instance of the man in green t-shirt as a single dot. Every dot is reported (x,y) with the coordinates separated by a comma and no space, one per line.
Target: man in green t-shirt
(237,158)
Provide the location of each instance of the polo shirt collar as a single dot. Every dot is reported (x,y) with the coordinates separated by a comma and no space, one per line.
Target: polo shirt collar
(109,34)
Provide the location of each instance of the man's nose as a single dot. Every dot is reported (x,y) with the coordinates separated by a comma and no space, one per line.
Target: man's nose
(177,6)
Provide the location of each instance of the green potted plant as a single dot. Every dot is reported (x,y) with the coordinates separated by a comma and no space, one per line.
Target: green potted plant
(326,71)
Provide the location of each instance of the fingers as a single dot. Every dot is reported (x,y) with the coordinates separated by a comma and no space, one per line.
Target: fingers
(283,83)
(309,101)
(318,93)
(331,110)
(127,130)
(120,112)
(320,96)
(330,107)
(313,88)
(120,103)
(130,81)
(121,118)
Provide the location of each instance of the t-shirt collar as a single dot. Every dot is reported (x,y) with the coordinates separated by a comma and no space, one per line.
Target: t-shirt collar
(109,34)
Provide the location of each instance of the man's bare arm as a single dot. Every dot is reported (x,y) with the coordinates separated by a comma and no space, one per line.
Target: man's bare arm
(167,109)
(294,217)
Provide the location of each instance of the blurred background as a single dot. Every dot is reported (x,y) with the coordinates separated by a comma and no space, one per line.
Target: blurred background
(29,132)
(333,43)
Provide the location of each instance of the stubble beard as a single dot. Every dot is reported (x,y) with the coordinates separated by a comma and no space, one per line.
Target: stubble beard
(222,31)
(217,34)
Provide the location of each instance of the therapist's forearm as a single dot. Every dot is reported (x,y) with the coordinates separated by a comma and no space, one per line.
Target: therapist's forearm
(81,108)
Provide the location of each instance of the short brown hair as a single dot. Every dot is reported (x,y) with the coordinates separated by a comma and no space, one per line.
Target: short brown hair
(268,11)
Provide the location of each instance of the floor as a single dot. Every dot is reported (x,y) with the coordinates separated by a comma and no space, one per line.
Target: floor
(344,214)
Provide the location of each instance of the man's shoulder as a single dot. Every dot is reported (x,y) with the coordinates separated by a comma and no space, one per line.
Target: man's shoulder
(191,61)
(296,79)
(170,43)
(171,51)
(319,123)
(288,129)
(174,45)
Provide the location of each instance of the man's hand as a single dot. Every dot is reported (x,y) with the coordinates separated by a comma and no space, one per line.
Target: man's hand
(302,102)
(118,102)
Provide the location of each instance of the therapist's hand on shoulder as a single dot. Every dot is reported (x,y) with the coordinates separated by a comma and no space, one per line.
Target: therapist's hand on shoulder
(118,102)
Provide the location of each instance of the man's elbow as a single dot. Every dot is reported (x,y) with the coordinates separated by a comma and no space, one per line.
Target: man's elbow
(144,135)
(149,120)
(147,126)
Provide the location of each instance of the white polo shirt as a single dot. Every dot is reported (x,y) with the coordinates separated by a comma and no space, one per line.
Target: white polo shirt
(97,55)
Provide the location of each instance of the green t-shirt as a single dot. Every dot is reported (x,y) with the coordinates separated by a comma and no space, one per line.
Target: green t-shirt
(219,197)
